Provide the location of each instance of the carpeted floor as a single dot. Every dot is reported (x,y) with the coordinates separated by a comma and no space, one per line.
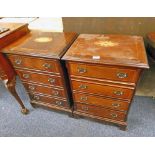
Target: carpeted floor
(41,122)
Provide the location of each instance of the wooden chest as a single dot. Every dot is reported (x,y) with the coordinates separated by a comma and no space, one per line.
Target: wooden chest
(104,71)
(36,59)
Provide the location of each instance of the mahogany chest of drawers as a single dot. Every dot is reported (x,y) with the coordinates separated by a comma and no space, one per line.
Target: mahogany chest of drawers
(104,71)
(36,59)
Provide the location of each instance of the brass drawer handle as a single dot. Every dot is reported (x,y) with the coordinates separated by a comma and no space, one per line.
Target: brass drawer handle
(84,98)
(118,93)
(85,108)
(56,93)
(51,80)
(26,76)
(116,105)
(82,70)
(114,115)
(59,103)
(83,86)
(47,66)
(18,61)
(36,97)
(122,75)
(32,87)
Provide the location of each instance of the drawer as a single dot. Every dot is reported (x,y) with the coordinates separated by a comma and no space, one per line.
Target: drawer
(44,90)
(104,72)
(40,78)
(34,63)
(100,101)
(115,91)
(101,112)
(48,100)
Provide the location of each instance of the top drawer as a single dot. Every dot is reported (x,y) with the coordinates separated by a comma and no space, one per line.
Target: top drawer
(104,72)
(34,63)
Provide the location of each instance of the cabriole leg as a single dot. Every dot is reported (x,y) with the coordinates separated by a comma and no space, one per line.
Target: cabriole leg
(10,85)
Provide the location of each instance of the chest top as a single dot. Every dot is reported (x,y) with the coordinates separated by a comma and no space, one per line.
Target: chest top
(43,44)
(121,50)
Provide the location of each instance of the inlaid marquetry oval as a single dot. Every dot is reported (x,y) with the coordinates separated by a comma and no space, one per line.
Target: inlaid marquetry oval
(106,43)
(43,39)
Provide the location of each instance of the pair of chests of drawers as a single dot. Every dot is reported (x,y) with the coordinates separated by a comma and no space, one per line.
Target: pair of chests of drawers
(102,90)
(43,79)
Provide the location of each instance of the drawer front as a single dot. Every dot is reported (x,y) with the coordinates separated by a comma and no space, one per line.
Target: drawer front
(101,112)
(45,90)
(34,63)
(40,78)
(104,72)
(48,100)
(101,89)
(100,101)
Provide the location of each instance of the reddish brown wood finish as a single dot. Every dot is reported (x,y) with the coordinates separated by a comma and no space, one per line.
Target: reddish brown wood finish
(49,100)
(36,58)
(101,101)
(117,50)
(104,71)
(42,44)
(7,73)
(102,89)
(40,78)
(27,62)
(16,30)
(47,90)
(101,112)
(151,36)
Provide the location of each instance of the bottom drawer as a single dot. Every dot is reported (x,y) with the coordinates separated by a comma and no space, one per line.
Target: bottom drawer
(101,112)
(48,100)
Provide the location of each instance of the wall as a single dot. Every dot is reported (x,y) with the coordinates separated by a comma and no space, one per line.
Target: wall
(113,25)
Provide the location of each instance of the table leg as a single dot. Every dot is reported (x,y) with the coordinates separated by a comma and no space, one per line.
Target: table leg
(10,85)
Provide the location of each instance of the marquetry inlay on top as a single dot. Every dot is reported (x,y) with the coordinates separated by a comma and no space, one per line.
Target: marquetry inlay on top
(123,50)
